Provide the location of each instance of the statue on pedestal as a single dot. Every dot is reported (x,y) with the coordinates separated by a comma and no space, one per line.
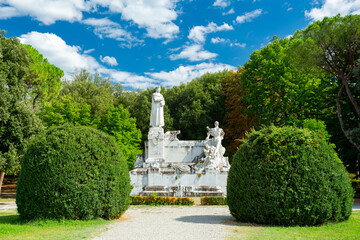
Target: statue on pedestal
(218,135)
(157,109)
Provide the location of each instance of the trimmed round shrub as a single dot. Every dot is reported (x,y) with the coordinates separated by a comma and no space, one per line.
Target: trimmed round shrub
(288,176)
(73,172)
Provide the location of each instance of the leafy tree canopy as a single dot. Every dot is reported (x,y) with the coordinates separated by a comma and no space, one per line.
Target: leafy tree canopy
(197,104)
(18,121)
(280,94)
(333,45)
(43,79)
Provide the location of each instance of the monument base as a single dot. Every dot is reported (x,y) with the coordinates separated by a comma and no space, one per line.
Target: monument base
(177,183)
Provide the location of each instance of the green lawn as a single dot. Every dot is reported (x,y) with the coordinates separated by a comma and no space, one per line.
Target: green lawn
(7,200)
(348,230)
(12,227)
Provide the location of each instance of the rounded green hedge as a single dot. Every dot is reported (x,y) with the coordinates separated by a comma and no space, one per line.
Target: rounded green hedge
(288,176)
(73,172)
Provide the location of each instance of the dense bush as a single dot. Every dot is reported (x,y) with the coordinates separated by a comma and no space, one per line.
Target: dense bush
(156,201)
(213,200)
(73,172)
(288,176)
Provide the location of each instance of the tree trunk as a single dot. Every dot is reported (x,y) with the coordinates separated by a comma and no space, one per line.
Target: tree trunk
(358,167)
(2,174)
(342,125)
(351,97)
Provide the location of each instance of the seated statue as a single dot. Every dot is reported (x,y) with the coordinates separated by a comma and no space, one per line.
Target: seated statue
(217,136)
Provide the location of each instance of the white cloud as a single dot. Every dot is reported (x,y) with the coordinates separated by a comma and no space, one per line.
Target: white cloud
(227,41)
(55,49)
(89,51)
(333,7)
(69,58)
(109,60)
(45,11)
(155,16)
(184,74)
(99,22)
(242,45)
(103,27)
(221,3)
(198,33)
(129,80)
(8,12)
(249,16)
(193,53)
(218,40)
(231,11)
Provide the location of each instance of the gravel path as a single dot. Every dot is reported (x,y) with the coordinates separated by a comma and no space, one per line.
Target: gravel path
(171,222)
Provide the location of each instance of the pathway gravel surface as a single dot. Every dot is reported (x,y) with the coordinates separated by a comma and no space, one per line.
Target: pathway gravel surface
(171,222)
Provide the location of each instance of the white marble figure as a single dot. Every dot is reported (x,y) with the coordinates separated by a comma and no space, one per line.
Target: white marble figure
(157,109)
(218,135)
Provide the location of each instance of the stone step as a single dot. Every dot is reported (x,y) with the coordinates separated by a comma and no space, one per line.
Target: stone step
(207,188)
(204,194)
(155,188)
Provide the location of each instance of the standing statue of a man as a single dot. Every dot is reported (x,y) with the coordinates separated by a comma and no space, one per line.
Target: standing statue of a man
(157,109)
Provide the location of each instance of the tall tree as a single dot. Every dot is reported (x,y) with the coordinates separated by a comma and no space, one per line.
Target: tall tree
(43,79)
(88,100)
(237,120)
(197,104)
(91,89)
(332,45)
(18,121)
(118,123)
(277,92)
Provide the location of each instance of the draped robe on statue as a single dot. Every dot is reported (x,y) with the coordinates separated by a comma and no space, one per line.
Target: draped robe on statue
(157,110)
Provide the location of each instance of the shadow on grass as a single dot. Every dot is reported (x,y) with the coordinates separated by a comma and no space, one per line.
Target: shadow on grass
(12,219)
(223,220)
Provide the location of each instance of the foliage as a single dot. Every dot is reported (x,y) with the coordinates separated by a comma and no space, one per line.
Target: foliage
(156,201)
(90,89)
(197,104)
(43,79)
(237,120)
(18,121)
(13,227)
(280,94)
(288,176)
(333,46)
(73,172)
(213,201)
(88,100)
(66,110)
(317,126)
(118,123)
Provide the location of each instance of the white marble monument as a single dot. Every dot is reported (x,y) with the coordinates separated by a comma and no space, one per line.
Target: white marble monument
(171,167)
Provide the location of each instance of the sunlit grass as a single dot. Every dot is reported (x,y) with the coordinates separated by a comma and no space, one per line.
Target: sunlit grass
(7,199)
(13,227)
(348,230)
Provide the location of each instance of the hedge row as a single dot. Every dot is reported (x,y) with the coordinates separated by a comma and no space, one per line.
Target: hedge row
(213,201)
(156,201)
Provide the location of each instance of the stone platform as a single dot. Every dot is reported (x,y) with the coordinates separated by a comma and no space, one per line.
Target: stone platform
(172,182)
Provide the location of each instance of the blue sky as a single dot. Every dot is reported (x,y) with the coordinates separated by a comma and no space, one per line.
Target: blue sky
(144,43)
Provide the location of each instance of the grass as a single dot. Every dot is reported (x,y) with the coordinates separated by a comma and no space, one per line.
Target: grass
(12,227)
(7,199)
(348,230)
